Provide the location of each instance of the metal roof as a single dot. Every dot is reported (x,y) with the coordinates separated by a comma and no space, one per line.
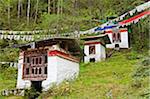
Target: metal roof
(72,43)
(104,37)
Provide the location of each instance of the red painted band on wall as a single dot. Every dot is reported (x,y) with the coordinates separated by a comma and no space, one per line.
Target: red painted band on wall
(121,31)
(110,31)
(63,55)
(89,43)
(125,30)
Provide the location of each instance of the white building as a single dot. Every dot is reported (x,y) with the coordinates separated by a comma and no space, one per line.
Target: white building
(119,38)
(94,48)
(47,62)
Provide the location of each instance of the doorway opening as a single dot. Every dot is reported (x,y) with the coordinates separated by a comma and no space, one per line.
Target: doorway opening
(92,59)
(37,85)
(34,92)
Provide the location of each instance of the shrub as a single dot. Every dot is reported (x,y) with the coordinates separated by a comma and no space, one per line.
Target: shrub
(143,70)
(62,90)
(31,94)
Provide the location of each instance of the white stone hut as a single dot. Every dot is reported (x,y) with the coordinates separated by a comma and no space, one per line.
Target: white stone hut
(94,48)
(48,62)
(118,37)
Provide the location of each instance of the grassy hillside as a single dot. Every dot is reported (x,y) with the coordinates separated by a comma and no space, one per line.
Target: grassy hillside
(109,79)
(8,78)
(113,78)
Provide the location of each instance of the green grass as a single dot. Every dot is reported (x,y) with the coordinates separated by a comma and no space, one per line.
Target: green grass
(8,78)
(96,80)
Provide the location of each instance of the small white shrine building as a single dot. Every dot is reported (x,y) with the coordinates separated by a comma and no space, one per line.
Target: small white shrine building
(94,48)
(118,37)
(48,62)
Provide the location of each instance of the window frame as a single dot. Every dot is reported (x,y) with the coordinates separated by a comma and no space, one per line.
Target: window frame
(92,49)
(27,71)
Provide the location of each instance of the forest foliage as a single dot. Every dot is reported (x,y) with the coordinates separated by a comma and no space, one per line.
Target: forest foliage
(66,16)
(60,14)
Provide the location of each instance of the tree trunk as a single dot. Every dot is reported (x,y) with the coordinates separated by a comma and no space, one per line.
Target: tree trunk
(28,13)
(75,8)
(61,8)
(19,8)
(58,11)
(36,12)
(8,13)
(49,6)
(75,13)
(90,10)
(54,6)
(58,7)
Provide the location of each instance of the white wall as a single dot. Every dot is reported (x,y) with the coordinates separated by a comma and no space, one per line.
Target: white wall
(59,69)
(22,84)
(52,73)
(103,55)
(99,55)
(125,41)
(66,70)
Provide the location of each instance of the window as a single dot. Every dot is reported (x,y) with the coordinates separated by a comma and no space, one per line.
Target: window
(28,60)
(116,45)
(36,71)
(40,60)
(33,61)
(40,71)
(32,71)
(27,71)
(92,49)
(45,70)
(119,37)
(116,37)
(37,61)
(45,59)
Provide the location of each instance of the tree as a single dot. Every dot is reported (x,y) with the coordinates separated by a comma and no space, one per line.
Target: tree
(19,8)
(61,7)
(8,11)
(54,6)
(36,12)
(49,6)
(28,13)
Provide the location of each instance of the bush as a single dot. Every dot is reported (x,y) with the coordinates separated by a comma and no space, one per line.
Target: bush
(3,67)
(143,70)
(146,94)
(137,83)
(133,56)
(31,94)
(62,90)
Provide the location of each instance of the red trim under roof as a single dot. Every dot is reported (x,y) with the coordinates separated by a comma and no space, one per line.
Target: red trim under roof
(89,43)
(63,55)
(121,31)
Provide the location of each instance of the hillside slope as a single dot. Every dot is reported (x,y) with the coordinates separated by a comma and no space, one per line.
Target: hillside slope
(109,79)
